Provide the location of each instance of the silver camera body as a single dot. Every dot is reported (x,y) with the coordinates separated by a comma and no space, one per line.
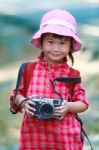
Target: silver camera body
(45,107)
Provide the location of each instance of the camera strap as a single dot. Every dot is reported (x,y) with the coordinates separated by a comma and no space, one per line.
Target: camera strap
(69,80)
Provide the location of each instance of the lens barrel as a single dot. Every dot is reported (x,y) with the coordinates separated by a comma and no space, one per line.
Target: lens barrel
(46,110)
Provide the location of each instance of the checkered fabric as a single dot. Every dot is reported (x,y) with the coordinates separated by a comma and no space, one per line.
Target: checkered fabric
(51,134)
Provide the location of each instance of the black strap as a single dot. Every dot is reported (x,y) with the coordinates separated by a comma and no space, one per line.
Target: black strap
(69,80)
(53,85)
(82,129)
(21,69)
(74,80)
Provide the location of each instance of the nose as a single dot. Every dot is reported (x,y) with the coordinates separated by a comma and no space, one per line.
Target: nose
(56,47)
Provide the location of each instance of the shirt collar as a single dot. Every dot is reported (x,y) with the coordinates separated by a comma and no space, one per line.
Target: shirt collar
(45,63)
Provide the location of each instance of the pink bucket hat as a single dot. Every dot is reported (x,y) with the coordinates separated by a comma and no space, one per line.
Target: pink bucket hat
(60,22)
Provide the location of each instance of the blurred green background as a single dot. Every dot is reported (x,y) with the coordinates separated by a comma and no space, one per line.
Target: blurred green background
(18,22)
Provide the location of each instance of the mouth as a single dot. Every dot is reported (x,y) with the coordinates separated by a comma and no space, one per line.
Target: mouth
(55,54)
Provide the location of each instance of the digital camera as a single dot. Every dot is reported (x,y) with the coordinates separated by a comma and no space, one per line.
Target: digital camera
(45,107)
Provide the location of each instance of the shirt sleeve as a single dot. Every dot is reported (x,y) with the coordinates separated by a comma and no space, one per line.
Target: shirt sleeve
(79,94)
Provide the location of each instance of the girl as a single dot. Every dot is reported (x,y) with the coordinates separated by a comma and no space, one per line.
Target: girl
(58,39)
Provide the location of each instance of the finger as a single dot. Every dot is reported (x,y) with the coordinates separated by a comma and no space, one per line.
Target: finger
(60,118)
(57,114)
(29,113)
(31,102)
(60,114)
(59,108)
(30,107)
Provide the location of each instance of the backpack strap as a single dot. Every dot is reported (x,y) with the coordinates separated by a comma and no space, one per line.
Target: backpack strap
(21,70)
(26,69)
(13,107)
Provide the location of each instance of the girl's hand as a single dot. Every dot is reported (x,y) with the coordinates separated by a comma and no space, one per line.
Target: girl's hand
(61,111)
(29,107)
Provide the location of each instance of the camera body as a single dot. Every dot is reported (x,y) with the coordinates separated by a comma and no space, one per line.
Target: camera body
(45,107)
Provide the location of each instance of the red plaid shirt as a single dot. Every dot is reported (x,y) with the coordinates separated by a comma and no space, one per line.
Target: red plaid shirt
(51,134)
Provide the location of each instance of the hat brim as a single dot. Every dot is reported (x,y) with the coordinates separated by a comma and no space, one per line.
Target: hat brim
(60,30)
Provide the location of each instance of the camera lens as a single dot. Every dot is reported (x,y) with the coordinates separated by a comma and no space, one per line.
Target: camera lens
(46,110)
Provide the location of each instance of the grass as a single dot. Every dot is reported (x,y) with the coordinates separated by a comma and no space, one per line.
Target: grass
(9,124)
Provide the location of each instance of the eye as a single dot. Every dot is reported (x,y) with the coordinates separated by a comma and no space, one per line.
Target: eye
(51,42)
(63,43)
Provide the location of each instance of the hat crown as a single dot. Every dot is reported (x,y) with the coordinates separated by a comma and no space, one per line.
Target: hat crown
(61,15)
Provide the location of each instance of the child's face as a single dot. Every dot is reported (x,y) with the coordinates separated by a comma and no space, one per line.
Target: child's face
(55,48)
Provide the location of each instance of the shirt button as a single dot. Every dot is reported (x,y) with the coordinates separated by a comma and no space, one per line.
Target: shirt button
(47,87)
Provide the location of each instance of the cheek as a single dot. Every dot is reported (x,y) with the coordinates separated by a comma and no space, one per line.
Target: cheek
(66,50)
(46,48)
(65,53)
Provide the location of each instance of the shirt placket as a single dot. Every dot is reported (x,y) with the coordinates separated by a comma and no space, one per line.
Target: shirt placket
(47,87)
(50,76)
